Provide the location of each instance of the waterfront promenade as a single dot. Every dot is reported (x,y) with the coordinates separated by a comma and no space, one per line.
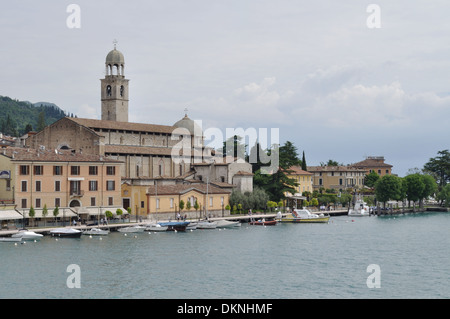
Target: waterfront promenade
(114,226)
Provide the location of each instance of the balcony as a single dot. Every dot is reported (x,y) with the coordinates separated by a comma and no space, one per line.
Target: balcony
(76,193)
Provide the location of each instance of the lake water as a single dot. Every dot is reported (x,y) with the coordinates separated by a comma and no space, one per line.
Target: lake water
(283,261)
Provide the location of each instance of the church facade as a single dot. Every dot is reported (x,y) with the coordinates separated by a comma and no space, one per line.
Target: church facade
(146,150)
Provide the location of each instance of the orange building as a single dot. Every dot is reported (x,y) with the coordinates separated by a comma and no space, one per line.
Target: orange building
(79,184)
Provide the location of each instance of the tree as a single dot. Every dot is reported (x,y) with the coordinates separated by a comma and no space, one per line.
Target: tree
(439,168)
(119,212)
(388,187)
(371,178)
(181,205)
(32,213)
(288,156)
(304,167)
(331,163)
(188,205)
(444,196)
(45,213)
(430,187)
(414,188)
(56,212)
(233,147)
(41,121)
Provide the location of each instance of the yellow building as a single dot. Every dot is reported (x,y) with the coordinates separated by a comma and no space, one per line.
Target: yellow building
(337,177)
(303,179)
(166,200)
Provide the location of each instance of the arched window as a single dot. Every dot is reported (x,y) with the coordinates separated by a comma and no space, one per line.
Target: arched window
(108,90)
(122,90)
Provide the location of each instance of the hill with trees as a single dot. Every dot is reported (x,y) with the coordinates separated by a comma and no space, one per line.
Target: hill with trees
(19,117)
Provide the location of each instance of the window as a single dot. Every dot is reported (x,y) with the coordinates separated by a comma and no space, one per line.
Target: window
(93,185)
(108,90)
(171,203)
(320,181)
(142,204)
(110,201)
(157,203)
(38,170)
(110,170)
(57,186)
(8,184)
(57,202)
(210,201)
(379,172)
(340,181)
(92,201)
(38,186)
(57,170)
(24,203)
(110,185)
(75,170)
(24,186)
(75,188)
(93,170)
(24,169)
(38,203)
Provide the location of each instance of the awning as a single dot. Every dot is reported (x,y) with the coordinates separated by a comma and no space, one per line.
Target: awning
(95,211)
(63,212)
(9,214)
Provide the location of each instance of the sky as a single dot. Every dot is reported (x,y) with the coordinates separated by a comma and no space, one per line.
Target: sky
(341,80)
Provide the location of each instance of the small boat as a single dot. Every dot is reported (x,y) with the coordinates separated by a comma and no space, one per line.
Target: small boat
(26,234)
(305,216)
(205,224)
(155,227)
(226,223)
(263,222)
(359,209)
(191,226)
(132,229)
(66,232)
(178,226)
(96,231)
(10,239)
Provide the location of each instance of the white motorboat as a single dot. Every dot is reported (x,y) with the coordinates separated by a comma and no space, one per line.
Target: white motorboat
(10,239)
(359,209)
(191,226)
(66,232)
(132,229)
(206,225)
(96,231)
(227,223)
(26,234)
(155,227)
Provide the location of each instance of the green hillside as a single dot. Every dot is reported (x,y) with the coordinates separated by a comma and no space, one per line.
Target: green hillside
(19,117)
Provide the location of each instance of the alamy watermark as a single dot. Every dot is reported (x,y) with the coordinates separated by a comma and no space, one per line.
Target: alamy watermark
(190,148)
(374,19)
(74,279)
(374,279)
(73,21)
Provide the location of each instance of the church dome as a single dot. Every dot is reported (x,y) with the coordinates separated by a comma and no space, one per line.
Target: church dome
(115,57)
(189,124)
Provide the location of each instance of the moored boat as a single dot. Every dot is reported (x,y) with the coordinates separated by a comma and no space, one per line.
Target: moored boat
(227,223)
(263,222)
(359,209)
(172,226)
(155,227)
(96,231)
(305,216)
(206,225)
(132,229)
(9,239)
(66,232)
(27,235)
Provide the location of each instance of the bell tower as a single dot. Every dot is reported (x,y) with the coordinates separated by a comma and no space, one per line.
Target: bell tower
(114,88)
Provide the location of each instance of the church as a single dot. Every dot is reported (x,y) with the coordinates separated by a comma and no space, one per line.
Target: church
(144,149)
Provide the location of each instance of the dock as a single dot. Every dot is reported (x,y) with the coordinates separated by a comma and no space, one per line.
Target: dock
(243,218)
